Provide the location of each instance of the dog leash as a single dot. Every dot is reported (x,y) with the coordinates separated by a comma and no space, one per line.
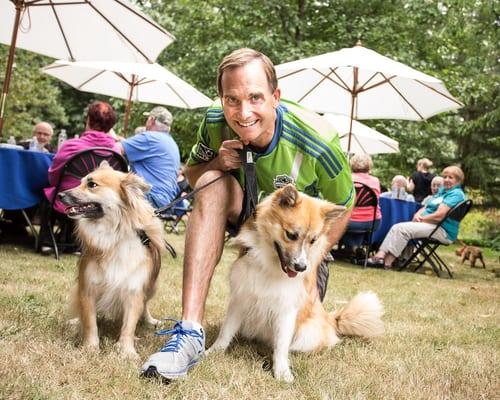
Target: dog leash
(250,198)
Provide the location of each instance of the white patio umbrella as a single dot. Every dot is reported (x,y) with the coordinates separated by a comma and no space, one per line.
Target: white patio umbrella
(365,140)
(149,83)
(362,84)
(79,30)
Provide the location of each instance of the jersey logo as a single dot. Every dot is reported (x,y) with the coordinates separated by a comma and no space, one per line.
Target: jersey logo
(282,180)
(204,153)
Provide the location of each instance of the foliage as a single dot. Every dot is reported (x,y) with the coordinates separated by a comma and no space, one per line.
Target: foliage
(454,40)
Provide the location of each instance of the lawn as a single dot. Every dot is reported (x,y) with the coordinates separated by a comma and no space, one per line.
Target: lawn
(442,339)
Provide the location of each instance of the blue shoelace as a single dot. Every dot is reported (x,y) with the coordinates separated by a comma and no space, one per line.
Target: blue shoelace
(178,336)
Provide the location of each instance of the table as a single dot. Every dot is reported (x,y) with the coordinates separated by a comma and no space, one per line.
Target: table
(23,175)
(393,211)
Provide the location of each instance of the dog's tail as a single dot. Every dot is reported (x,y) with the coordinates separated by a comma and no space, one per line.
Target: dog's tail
(362,316)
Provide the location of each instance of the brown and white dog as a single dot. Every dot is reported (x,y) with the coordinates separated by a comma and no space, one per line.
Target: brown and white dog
(274,296)
(470,253)
(121,244)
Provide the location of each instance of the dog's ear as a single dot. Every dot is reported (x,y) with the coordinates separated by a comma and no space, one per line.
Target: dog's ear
(332,212)
(135,184)
(288,196)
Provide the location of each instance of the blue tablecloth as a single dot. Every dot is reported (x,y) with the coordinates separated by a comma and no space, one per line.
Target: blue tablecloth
(393,212)
(23,175)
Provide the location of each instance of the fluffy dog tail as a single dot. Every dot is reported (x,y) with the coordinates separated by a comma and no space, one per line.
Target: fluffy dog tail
(362,316)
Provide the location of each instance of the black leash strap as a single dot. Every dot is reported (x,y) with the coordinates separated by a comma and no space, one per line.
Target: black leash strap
(163,211)
(250,196)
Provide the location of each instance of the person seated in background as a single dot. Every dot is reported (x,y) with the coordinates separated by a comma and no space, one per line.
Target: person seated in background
(154,155)
(361,217)
(420,181)
(425,221)
(101,117)
(43,133)
(398,189)
(436,184)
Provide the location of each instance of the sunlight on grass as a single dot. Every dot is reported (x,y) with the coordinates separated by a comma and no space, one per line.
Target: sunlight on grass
(441,339)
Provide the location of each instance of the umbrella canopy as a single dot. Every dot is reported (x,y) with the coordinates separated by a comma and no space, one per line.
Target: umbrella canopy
(365,140)
(149,83)
(362,84)
(79,30)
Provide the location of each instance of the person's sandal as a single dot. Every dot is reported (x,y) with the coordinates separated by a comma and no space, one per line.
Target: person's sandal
(375,262)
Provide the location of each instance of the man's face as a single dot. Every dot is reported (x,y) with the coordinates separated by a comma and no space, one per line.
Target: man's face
(249,105)
(43,133)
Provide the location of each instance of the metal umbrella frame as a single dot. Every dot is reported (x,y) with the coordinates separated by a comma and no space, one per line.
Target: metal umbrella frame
(362,84)
(78,30)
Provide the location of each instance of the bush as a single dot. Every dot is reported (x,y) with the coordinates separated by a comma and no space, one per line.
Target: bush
(480,227)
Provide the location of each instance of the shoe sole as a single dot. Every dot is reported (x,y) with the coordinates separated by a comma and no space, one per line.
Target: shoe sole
(149,373)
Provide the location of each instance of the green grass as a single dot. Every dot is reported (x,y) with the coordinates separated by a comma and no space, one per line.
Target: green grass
(442,339)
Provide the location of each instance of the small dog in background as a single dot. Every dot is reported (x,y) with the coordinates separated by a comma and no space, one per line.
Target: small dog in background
(121,253)
(274,295)
(470,253)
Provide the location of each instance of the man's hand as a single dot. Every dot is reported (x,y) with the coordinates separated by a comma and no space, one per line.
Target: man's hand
(229,157)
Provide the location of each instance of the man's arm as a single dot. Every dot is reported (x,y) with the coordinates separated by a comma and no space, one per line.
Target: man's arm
(339,227)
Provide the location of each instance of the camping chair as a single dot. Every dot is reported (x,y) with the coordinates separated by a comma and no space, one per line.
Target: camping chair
(425,249)
(366,197)
(78,166)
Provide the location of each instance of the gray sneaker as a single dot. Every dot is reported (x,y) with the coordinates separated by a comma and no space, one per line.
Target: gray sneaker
(179,353)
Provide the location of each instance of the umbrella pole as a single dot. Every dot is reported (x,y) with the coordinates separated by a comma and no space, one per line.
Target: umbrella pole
(129,106)
(354,95)
(10,63)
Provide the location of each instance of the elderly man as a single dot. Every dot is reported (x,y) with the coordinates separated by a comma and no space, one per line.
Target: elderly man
(287,148)
(43,132)
(154,155)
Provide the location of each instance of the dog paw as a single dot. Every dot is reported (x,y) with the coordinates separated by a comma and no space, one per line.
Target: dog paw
(127,352)
(284,375)
(91,345)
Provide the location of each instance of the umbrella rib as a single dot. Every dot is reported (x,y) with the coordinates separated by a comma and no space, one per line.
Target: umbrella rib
(314,87)
(146,20)
(345,87)
(359,143)
(52,6)
(123,77)
(404,98)
(384,81)
(292,73)
(119,31)
(91,78)
(438,92)
(362,88)
(178,95)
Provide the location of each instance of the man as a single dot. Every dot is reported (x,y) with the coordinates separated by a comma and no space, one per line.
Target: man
(286,150)
(154,155)
(43,132)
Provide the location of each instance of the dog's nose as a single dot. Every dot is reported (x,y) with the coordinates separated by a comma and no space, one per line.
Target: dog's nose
(299,267)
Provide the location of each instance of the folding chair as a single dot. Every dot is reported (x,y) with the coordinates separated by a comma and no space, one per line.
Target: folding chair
(366,197)
(425,249)
(78,166)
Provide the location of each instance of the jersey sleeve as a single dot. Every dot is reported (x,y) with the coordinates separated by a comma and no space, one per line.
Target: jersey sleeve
(202,151)
(337,187)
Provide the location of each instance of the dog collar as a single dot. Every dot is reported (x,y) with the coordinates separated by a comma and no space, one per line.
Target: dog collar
(145,240)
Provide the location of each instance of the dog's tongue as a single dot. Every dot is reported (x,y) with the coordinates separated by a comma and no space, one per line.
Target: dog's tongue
(291,273)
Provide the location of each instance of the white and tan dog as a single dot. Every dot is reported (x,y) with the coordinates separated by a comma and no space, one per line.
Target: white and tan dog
(121,244)
(274,296)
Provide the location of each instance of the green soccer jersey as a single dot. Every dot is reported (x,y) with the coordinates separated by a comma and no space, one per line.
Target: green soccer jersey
(305,150)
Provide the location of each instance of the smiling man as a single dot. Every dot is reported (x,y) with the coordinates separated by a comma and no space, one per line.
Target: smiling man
(289,145)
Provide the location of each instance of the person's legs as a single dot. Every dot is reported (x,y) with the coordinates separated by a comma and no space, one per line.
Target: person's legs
(214,206)
(399,235)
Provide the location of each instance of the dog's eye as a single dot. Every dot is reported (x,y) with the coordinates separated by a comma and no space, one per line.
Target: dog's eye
(91,184)
(292,235)
(313,239)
